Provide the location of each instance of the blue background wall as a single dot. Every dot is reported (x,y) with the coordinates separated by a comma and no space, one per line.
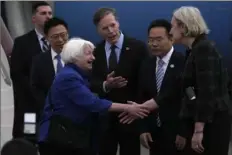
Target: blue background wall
(134,18)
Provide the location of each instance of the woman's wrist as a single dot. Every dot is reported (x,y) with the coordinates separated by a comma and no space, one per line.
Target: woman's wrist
(199,127)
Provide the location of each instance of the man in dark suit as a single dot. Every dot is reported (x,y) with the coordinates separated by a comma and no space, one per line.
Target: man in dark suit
(114,77)
(24,49)
(47,64)
(160,80)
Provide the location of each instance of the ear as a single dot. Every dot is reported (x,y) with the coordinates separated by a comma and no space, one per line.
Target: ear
(33,19)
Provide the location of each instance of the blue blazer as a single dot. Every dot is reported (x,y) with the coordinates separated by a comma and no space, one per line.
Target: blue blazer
(72,98)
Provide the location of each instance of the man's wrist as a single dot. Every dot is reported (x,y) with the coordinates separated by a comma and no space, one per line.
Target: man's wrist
(105,89)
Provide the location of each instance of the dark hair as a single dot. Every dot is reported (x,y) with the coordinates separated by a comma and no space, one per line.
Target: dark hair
(160,23)
(102,12)
(52,23)
(19,147)
(38,4)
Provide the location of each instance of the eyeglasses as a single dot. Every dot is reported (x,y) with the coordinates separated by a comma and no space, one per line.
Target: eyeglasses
(154,40)
(62,35)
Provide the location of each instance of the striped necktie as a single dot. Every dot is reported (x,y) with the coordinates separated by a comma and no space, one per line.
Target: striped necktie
(159,79)
(59,65)
(45,46)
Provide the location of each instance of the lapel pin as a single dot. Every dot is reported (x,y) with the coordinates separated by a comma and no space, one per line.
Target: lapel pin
(172,66)
(127,48)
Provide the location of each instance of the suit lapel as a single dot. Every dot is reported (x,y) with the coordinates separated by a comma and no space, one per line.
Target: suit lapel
(169,72)
(153,75)
(50,67)
(102,56)
(35,42)
(125,53)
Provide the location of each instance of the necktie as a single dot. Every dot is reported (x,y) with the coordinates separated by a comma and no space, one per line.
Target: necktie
(112,59)
(159,79)
(45,46)
(59,65)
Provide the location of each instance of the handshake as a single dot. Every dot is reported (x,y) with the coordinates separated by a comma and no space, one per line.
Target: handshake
(135,111)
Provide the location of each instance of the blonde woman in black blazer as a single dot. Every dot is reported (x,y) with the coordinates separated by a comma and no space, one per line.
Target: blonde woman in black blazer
(206,100)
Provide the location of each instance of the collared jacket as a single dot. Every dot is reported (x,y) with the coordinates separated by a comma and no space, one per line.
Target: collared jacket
(72,98)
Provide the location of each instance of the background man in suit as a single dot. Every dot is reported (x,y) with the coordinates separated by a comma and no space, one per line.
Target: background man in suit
(115,73)
(25,47)
(160,79)
(46,65)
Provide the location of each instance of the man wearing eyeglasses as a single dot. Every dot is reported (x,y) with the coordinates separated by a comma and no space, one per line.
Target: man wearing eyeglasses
(46,65)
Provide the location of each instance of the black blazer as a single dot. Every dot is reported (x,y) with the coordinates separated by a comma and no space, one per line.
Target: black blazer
(42,76)
(24,49)
(206,73)
(169,97)
(132,54)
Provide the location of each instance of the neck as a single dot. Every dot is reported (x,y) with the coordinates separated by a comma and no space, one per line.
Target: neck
(165,53)
(188,42)
(39,29)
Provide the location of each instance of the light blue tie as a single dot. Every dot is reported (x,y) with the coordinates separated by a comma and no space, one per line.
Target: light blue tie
(59,63)
(159,79)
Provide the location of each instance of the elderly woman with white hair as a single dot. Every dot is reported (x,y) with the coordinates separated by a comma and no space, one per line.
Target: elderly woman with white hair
(66,125)
(206,101)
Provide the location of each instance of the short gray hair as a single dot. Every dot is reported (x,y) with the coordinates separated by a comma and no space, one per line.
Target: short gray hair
(192,19)
(74,48)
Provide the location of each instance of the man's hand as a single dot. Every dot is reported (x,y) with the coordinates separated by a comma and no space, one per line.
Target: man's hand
(135,111)
(114,82)
(145,138)
(180,142)
(150,105)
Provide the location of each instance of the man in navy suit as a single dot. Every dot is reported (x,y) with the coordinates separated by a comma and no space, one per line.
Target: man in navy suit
(115,75)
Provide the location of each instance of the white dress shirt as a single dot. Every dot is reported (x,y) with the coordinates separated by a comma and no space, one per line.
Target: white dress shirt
(165,59)
(40,36)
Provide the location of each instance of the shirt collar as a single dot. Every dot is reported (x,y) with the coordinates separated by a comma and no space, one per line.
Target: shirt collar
(118,44)
(39,35)
(54,54)
(167,57)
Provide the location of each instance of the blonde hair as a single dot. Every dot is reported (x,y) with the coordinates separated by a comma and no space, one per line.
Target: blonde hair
(192,19)
(74,48)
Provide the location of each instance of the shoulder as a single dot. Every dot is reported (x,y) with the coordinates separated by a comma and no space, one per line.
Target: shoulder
(68,74)
(134,41)
(26,37)
(147,62)
(178,55)
(204,47)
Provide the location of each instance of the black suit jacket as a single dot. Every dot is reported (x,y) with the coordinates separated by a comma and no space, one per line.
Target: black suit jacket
(205,71)
(132,54)
(24,49)
(42,76)
(169,97)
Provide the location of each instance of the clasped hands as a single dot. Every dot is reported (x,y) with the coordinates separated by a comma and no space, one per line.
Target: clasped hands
(136,111)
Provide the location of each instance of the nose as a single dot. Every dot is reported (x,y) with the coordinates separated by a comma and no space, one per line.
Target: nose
(49,15)
(93,57)
(110,29)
